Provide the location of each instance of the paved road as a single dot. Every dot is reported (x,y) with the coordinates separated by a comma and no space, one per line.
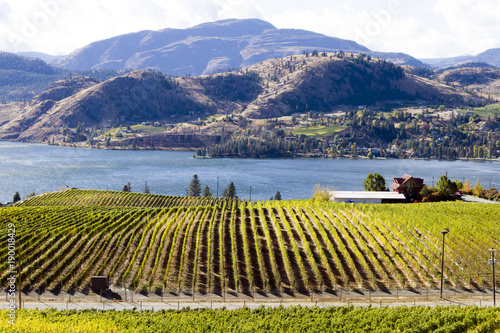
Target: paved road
(470,198)
(232,302)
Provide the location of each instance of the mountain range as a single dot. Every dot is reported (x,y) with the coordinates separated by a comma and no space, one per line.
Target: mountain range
(491,57)
(228,44)
(203,49)
(272,88)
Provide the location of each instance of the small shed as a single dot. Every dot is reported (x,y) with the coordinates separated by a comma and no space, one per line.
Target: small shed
(99,284)
(373,197)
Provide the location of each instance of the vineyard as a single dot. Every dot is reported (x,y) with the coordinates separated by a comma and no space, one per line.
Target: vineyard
(74,197)
(296,319)
(154,243)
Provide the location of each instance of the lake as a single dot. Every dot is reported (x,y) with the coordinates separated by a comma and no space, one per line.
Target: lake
(38,168)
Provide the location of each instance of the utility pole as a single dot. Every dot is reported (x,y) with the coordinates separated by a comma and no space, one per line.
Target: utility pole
(250,193)
(217,187)
(444,232)
(493,262)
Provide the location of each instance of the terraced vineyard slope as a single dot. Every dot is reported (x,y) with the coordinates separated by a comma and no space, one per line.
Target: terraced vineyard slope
(75,197)
(161,244)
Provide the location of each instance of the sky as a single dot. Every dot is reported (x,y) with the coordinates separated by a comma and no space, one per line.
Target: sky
(423,29)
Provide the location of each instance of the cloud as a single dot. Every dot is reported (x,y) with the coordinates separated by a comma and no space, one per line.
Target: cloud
(237,9)
(428,28)
(77,23)
(473,24)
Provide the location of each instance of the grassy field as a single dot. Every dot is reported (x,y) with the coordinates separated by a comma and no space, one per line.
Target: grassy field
(148,129)
(319,130)
(491,111)
(154,243)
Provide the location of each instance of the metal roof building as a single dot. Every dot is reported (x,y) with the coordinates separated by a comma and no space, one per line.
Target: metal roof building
(367,197)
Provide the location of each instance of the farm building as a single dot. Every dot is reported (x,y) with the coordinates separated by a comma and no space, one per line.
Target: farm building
(401,185)
(373,197)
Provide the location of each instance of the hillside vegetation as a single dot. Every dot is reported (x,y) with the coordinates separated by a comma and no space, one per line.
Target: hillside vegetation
(214,245)
(22,78)
(274,88)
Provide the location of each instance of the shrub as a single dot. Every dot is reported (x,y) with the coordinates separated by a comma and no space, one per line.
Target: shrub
(322,193)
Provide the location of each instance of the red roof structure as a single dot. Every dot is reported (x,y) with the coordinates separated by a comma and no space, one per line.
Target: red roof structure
(401,185)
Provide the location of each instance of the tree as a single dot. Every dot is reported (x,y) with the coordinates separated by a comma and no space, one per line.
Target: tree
(206,192)
(127,187)
(146,188)
(424,191)
(195,187)
(476,190)
(466,188)
(459,184)
(16,198)
(446,188)
(374,182)
(322,193)
(277,196)
(230,191)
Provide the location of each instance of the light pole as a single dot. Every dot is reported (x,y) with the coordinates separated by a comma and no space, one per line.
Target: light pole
(444,232)
(493,262)
(217,187)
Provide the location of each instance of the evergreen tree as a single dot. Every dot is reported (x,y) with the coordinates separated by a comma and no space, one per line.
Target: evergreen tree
(127,187)
(230,191)
(206,192)
(195,187)
(446,188)
(16,198)
(277,196)
(374,182)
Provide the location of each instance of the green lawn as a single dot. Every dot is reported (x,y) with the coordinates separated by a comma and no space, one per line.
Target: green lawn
(148,129)
(488,111)
(319,130)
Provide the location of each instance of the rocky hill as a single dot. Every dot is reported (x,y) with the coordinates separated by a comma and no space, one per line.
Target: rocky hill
(484,79)
(21,78)
(312,82)
(491,57)
(203,49)
(466,64)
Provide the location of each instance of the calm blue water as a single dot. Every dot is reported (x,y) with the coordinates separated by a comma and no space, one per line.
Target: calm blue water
(36,168)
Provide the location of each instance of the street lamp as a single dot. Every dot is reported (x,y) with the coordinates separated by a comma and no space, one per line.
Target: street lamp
(493,261)
(444,232)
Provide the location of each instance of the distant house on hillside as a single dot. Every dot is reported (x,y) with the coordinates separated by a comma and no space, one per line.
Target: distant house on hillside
(401,185)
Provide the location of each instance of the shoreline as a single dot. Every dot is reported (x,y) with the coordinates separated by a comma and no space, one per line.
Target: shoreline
(299,155)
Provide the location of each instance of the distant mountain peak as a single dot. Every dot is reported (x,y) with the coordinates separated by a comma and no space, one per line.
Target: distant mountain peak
(203,49)
(236,27)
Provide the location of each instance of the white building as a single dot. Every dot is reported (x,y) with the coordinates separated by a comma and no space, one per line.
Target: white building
(367,197)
